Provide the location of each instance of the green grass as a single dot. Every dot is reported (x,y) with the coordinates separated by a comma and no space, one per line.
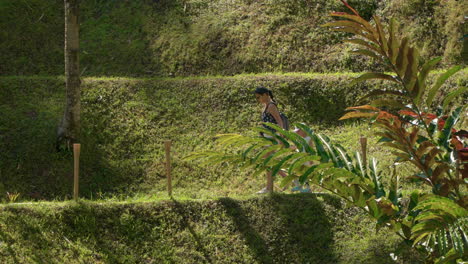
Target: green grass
(221,37)
(297,228)
(126,121)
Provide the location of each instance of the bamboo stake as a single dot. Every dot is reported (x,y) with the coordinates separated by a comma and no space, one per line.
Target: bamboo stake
(167,145)
(269,182)
(76,155)
(363,141)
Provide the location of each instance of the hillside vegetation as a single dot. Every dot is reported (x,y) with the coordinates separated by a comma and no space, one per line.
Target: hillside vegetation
(205,37)
(125,122)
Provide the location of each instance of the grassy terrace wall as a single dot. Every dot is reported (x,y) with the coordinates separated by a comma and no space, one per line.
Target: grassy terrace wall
(277,229)
(125,122)
(210,37)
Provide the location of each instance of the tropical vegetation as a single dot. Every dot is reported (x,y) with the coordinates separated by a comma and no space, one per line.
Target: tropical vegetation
(435,222)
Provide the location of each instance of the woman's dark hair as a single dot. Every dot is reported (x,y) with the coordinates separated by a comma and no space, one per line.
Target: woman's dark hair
(263,90)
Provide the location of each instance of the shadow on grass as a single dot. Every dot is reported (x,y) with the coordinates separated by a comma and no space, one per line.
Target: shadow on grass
(179,209)
(296,224)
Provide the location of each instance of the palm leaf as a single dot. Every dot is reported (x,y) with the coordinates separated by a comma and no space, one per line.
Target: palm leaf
(366,44)
(446,132)
(393,43)
(358,19)
(442,78)
(452,95)
(373,75)
(402,59)
(381,34)
(422,76)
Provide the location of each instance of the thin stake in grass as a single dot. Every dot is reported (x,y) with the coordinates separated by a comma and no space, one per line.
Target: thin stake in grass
(76,158)
(363,141)
(167,146)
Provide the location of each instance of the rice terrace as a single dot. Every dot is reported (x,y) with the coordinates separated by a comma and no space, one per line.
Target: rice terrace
(233,131)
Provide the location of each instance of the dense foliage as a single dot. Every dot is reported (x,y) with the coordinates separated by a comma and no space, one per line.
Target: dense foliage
(430,142)
(200,37)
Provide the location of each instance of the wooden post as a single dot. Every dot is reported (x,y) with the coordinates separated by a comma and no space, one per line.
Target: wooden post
(76,155)
(269,185)
(363,141)
(167,145)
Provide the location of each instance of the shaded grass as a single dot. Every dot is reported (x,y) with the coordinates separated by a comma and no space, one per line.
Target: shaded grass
(272,229)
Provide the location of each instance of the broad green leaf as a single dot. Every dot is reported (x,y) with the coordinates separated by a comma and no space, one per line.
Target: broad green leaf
(300,162)
(452,95)
(279,165)
(373,75)
(287,180)
(446,132)
(442,78)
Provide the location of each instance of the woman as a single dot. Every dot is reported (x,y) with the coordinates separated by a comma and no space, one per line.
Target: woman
(270,114)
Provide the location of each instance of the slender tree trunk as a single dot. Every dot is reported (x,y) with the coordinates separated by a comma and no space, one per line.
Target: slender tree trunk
(69,129)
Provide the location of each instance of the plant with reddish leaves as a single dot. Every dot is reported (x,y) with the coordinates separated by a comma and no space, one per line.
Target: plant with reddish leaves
(428,141)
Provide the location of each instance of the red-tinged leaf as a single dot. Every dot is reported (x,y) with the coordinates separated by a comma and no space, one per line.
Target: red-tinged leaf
(430,157)
(442,78)
(386,115)
(414,136)
(350,8)
(410,76)
(358,19)
(373,75)
(440,169)
(357,115)
(424,148)
(407,113)
(381,34)
(338,13)
(363,107)
(366,44)
(382,92)
(402,59)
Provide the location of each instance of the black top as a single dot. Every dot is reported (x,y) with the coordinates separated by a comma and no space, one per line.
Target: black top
(267,117)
